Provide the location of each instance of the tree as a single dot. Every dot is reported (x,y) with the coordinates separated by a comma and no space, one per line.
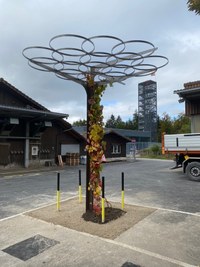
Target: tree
(111,123)
(120,124)
(194,5)
(135,120)
(166,124)
(131,124)
(181,124)
(80,123)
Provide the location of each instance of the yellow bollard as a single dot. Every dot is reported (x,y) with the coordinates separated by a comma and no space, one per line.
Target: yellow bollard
(58,200)
(122,190)
(122,199)
(80,193)
(58,191)
(103,210)
(103,201)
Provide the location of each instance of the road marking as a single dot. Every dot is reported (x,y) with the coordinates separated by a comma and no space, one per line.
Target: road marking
(42,206)
(118,199)
(26,173)
(164,209)
(13,176)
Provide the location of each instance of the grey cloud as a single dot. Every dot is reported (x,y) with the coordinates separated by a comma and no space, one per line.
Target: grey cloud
(166,23)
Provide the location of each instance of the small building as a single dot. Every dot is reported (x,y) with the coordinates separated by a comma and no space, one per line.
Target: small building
(190,94)
(115,142)
(140,139)
(30,134)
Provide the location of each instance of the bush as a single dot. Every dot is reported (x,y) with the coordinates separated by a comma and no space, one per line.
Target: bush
(151,152)
(155,152)
(155,149)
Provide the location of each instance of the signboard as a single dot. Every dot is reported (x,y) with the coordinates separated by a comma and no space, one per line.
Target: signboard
(34,150)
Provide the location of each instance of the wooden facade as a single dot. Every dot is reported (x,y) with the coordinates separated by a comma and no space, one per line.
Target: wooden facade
(115,144)
(191,96)
(30,134)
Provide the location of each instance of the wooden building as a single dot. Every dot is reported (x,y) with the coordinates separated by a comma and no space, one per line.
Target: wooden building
(191,95)
(115,142)
(30,134)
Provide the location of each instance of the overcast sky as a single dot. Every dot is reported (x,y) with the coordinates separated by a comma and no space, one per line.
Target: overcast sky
(166,23)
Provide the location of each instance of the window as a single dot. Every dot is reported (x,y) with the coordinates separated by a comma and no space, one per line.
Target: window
(116,149)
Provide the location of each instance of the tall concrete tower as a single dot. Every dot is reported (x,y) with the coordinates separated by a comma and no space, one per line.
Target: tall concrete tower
(147,108)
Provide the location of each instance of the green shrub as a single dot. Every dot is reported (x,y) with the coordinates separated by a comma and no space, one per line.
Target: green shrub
(155,149)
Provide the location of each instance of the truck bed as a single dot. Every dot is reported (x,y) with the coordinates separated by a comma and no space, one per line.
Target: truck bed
(182,143)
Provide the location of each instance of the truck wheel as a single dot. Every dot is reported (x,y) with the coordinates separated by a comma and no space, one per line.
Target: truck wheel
(193,171)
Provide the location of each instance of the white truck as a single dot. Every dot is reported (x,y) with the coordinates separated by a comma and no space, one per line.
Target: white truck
(186,148)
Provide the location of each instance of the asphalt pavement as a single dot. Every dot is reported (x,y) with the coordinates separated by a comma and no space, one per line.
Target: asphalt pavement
(170,236)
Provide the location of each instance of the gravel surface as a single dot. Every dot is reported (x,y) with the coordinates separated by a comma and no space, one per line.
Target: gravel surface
(72,215)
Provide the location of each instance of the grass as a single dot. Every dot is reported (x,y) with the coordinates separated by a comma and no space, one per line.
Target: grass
(154,152)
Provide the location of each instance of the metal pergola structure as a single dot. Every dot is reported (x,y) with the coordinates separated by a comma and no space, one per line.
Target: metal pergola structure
(107,59)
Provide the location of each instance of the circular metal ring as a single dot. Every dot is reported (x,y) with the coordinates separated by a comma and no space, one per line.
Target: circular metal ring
(31,48)
(73,36)
(44,60)
(136,42)
(60,50)
(162,57)
(30,62)
(100,37)
(145,71)
(116,64)
(57,53)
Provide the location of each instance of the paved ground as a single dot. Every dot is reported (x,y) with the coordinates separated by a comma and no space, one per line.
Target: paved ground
(170,236)
(147,183)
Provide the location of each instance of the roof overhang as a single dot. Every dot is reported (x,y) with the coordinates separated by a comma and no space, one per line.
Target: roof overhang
(188,94)
(33,114)
(110,131)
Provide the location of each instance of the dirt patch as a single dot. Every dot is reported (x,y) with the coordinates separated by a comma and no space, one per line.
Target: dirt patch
(111,214)
(72,215)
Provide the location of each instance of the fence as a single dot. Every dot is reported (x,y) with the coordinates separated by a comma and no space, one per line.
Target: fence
(133,148)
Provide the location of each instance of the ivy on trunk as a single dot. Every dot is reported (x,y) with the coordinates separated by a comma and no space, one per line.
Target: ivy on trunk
(95,144)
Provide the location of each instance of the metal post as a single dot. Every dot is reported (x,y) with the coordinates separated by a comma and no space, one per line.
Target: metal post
(122,190)
(103,201)
(80,188)
(58,191)
(26,154)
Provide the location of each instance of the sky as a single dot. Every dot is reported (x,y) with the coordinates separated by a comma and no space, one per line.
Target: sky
(166,23)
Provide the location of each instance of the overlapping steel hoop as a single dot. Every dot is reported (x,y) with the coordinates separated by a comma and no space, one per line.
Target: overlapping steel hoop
(72,57)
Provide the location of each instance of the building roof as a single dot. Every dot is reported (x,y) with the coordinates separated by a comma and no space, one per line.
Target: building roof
(83,131)
(132,133)
(18,92)
(36,111)
(110,131)
(11,111)
(122,132)
(191,91)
